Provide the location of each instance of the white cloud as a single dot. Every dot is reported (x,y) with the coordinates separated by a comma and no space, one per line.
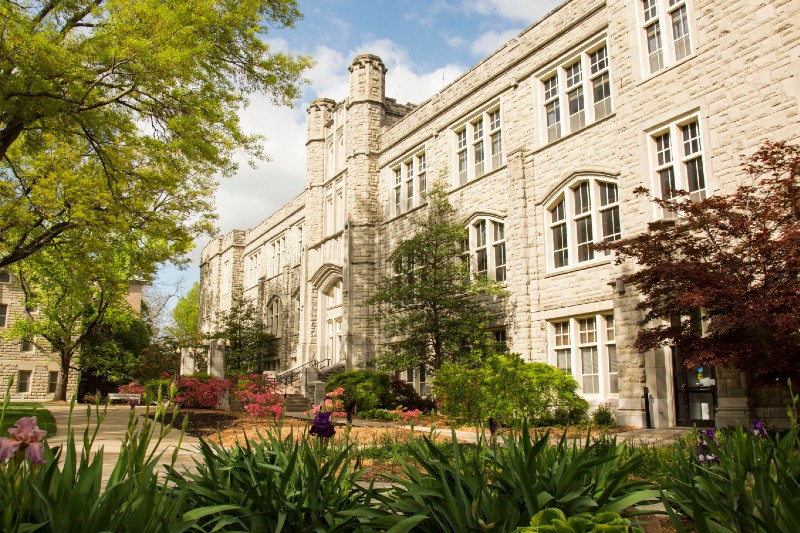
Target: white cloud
(529,11)
(491,41)
(455,41)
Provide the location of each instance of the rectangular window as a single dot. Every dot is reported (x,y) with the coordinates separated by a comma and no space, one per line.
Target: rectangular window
(488,250)
(563,348)
(665,21)
(499,251)
(422,167)
(679,165)
(583,222)
(591,339)
(27,346)
(3,315)
(24,381)
(609,213)
(588,76)
(559,230)
(398,181)
(52,382)
(480,249)
(409,187)
(473,141)
(611,350)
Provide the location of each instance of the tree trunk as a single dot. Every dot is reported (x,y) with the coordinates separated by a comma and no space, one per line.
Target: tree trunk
(63,377)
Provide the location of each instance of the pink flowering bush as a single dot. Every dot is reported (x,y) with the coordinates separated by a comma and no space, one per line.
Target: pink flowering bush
(259,395)
(333,403)
(132,388)
(203,393)
(408,416)
(25,441)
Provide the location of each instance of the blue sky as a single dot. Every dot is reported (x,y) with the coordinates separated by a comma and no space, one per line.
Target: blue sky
(424,44)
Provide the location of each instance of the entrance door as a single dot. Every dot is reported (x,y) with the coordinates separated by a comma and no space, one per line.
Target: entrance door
(695,393)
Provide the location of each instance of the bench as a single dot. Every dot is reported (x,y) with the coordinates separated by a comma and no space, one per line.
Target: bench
(125,397)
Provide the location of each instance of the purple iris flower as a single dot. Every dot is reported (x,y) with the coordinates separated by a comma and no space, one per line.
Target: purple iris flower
(322,426)
(757,428)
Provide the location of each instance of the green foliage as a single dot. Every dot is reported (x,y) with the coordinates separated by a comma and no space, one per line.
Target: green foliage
(160,357)
(507,388)
(364,390)
(113,349)
(275,484)
(185,327)
(755,486)
(404,394)
(250,342)
(603,417)
(483,486)
(431,306)
(554,521)
(119,114)
(44,418)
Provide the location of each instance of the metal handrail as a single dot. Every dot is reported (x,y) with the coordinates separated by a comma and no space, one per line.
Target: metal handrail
(287,377)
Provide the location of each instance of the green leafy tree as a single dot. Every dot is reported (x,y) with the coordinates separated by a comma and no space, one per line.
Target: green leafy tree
(116,114)
(433,309)
(114,347)
(68,297)
(185,326)
(250,342)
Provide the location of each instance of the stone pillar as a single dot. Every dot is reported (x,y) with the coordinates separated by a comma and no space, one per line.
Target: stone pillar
(216,358)
(187,361)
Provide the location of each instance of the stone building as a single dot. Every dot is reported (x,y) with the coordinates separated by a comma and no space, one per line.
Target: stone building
(543,143)
(34,368)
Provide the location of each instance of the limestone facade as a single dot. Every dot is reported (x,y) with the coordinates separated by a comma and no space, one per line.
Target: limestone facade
(542,144)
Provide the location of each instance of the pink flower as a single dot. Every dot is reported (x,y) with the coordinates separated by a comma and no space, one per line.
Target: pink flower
(26,431)
(25,436)
(8,448)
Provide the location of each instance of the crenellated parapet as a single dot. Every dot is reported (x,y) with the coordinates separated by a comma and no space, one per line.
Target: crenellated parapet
(367,79)
(319,114)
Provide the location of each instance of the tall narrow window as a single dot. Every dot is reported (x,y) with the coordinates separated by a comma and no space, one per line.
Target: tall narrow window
(496,137)
(52,382)
(409,187)
(398,182)
(611,350)
(583,221)
(609,213)
(499,246)
(577,119)
(274,317)
(462,156)
(587,344)
(601,83)
(3,315)
(563,347)
(552,108)
(481,264)
(477,147)
(422,167)
(558,228)
(693,161)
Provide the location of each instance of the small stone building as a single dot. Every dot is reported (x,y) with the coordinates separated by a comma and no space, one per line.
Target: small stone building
(542,144)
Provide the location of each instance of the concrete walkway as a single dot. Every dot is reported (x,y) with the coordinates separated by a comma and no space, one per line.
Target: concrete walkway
(112,432)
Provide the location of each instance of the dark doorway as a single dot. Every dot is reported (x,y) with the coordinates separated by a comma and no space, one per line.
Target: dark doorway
(695,393)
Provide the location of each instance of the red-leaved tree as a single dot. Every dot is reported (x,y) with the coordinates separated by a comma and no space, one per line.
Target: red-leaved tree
(735,257)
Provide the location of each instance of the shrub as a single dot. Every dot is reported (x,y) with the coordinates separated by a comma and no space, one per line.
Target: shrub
(259,396)
(152,387)
(363,390)
(131,388)
(405,394)
(507,388)
(603,417)
(203,392)
(554,521)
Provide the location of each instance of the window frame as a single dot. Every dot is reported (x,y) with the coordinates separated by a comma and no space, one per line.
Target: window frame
(566,214)
(490,244)
(409,175)
(567,342)
(334,206)
(3,315)
(563,87)
(274,316)
(52,384)
(477,145)
(5,276)
(28,381)
(678,160)
(656,21)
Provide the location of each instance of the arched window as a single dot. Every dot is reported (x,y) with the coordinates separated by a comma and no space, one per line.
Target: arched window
(584,212)
(488,248)
(274,317)
(5,277)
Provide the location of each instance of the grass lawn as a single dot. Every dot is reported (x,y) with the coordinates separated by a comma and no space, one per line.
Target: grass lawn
(44,418)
